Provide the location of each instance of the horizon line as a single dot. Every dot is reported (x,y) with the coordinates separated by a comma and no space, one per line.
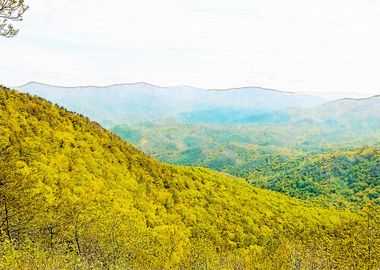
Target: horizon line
(306,93)
(159,86)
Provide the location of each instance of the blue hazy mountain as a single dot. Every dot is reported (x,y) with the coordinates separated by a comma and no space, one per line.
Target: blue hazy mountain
(357,115)
(132,103)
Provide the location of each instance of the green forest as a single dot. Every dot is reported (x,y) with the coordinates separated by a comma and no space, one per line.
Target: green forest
(75,196)
(332,168)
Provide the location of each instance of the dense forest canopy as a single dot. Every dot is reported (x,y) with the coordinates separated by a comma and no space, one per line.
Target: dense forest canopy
(295,144)
(298,161)
(74,195)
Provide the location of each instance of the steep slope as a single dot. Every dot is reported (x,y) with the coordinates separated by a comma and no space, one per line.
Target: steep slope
(131,103)
(75,196)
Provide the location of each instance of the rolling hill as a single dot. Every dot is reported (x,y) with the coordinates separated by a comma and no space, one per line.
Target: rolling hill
(339,178)
(296,163)
(132,103)
(360,115)
(75,196)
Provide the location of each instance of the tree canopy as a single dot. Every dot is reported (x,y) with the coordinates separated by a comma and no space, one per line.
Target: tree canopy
(75,196)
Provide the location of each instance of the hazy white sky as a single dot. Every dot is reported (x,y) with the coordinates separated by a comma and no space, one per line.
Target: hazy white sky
(297,45)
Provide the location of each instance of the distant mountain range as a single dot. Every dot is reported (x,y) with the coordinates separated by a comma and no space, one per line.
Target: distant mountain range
(355,114)
(139,102)
(132,103)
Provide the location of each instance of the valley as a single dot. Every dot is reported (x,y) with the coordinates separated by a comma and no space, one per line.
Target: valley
(71,186)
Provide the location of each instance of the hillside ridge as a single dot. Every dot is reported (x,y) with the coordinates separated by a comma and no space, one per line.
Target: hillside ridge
(76,196)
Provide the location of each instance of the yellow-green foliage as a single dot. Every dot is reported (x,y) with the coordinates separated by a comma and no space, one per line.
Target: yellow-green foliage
(74,196)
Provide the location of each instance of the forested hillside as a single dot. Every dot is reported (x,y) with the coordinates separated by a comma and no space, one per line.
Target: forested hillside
(248,132)
(74,196)
(301,162)
(343,179)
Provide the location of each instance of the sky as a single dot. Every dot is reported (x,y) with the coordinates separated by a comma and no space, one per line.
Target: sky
(292,45)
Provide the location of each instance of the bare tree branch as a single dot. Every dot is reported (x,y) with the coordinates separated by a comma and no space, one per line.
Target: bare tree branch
(11,10)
